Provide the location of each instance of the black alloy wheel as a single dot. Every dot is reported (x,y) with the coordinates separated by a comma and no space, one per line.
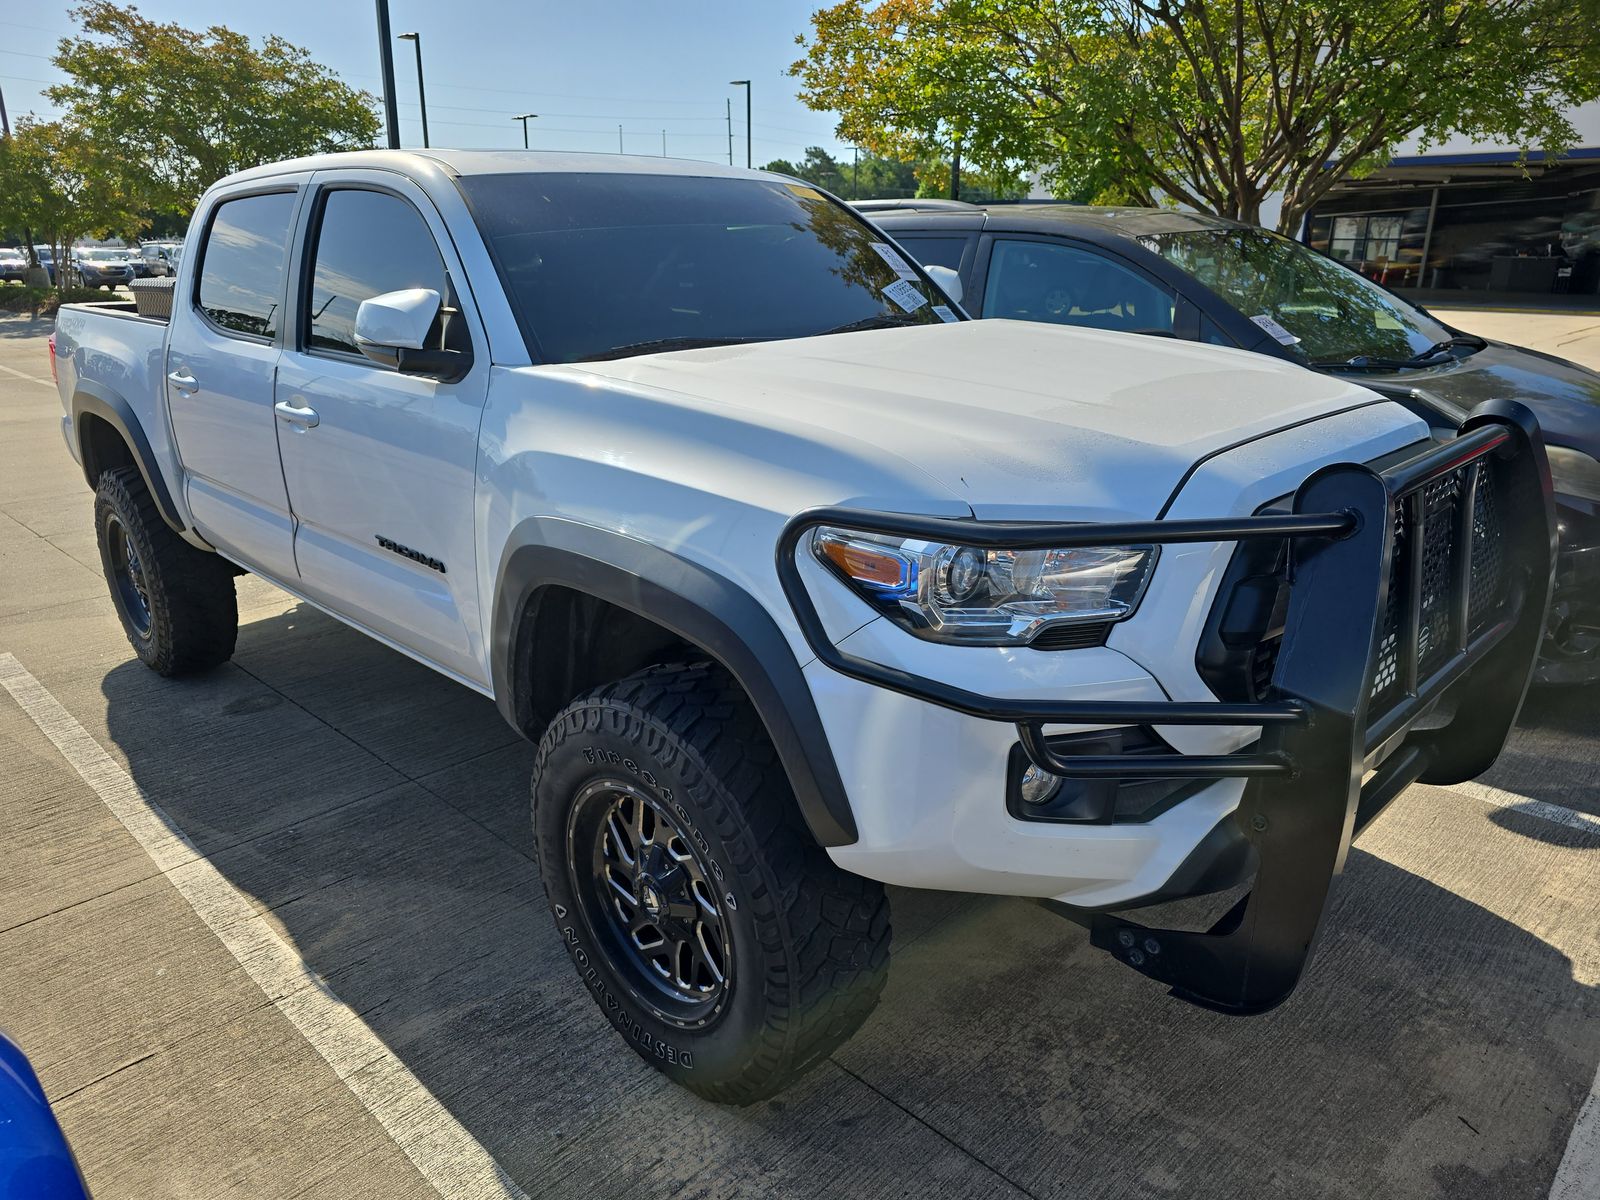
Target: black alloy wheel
(646,892)
(127,575)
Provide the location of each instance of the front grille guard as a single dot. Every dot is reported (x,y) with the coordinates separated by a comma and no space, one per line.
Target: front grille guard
(1321,768)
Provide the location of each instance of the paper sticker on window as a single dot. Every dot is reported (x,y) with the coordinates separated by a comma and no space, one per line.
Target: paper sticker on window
(1278,332)
(906,296)
(1382,318)
(804,192)
(896,263)
(944,314)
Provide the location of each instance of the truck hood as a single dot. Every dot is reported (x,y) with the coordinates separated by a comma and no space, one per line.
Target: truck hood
(1015,418)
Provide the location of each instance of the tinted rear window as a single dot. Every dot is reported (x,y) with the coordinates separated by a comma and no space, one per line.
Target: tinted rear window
(241,276)
(600,265)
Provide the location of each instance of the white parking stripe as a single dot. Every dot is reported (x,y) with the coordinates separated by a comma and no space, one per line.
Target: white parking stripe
(1569,817)
(24,375)
(446,1155)
(1578,1176)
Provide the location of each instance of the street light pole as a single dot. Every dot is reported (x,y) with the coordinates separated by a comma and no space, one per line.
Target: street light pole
(524,118)
(619,139)
(748,132)
(386,62)
(728,104)
(422,97)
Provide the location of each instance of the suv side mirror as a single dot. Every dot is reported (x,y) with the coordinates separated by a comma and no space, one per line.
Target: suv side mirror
(949,281)
(392,329)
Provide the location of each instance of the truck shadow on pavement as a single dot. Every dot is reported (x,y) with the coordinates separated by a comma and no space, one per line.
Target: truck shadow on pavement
(379,813)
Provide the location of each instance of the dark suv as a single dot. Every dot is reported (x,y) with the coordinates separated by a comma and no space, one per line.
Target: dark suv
(1186,275)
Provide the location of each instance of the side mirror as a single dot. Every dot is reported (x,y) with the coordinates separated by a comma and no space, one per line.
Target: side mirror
(949,281)
(392,329)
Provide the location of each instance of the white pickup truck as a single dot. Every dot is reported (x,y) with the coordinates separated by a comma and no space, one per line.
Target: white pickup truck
(802,582)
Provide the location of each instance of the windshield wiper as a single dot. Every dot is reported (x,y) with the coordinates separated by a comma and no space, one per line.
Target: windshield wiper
(877,321)
(659,345)
(1425,358)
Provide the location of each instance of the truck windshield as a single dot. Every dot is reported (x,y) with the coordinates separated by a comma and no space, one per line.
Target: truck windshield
(1334,313)
(608,265)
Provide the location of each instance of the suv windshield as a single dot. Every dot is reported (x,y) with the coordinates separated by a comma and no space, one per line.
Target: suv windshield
(609,265)
(1335,313)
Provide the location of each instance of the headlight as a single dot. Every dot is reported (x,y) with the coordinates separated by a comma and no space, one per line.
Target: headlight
(1574,473)
(952,593)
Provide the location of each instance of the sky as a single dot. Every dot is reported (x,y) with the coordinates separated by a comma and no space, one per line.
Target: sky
(585,67)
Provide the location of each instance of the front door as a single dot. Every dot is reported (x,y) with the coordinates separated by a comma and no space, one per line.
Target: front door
(381,466)
(222,354)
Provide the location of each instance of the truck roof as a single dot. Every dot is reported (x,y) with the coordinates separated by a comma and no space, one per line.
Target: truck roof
(421,163)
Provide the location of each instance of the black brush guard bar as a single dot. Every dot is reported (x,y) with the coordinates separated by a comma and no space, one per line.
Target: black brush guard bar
(1320,769)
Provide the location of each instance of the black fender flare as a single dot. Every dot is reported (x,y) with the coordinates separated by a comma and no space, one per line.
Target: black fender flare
(92,399)
(698,605)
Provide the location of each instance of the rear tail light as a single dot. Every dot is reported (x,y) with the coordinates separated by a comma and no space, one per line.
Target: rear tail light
(54,378)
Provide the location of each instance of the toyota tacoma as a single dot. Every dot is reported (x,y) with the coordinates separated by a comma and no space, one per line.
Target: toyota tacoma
(803,583)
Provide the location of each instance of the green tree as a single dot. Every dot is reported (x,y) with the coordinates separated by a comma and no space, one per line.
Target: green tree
(182,108)
(1216,104)
(57,183)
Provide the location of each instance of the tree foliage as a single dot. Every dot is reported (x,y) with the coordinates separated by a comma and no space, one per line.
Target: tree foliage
(871,176)
(57,184)
(181,108)
(1211,103)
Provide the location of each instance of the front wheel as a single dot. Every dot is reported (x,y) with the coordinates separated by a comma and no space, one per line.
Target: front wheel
(709,927)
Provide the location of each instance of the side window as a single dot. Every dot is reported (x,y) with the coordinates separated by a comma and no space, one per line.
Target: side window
(241,277)
(1042,281)
(935,251)
(368,243)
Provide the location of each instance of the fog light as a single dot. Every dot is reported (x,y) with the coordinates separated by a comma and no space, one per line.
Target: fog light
(1038,785)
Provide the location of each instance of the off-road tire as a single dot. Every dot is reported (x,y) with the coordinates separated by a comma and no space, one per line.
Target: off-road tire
(191,612)
(809,943)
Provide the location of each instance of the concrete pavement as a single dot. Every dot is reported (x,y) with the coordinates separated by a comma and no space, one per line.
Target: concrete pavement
(1574,336)
(372,818)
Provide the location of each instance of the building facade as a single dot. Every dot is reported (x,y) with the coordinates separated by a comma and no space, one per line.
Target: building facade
(1468,223)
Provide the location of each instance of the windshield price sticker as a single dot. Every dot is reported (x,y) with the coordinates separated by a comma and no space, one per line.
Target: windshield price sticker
(944,314)
(1277,331)
(896,264)
(906,296)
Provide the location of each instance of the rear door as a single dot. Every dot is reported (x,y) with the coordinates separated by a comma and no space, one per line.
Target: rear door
(381,466)
(222,356)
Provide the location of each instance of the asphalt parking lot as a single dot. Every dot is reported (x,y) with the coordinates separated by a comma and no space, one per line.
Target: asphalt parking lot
(277,932)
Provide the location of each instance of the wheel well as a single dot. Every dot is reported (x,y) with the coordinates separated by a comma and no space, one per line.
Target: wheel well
(569,642)
(102,446)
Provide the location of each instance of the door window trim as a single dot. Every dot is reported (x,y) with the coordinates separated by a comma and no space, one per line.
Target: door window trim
(303,266)
(265,189)
(1185,313)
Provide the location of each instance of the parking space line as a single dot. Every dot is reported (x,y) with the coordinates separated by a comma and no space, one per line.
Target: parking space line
(25,375)
(441,1149)
(1578,1176)
(1570,817)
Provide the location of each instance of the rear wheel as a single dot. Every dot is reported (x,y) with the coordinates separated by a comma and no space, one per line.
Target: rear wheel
(713,932)
(176,602)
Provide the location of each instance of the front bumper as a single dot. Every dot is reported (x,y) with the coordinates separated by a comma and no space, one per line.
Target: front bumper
(1326,762)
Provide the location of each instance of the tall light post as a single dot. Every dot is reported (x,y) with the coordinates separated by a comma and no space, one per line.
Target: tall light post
(524,118)
(728,105)
(422,97)
(386,64)
(749,155)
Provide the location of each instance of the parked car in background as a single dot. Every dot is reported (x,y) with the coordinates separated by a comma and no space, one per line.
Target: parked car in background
(13,265)
(158,259)
(93,267)
(1204,279)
